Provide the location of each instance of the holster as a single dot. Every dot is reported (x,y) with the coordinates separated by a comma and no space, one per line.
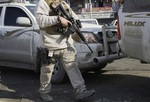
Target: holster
(43,53)
(45,59)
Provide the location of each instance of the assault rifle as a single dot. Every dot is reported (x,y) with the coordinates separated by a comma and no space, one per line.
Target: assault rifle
(76,24)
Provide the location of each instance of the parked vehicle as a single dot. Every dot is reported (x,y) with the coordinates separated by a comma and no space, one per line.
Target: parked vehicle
(134,32)
(89,21)
(113,23)
(20,37)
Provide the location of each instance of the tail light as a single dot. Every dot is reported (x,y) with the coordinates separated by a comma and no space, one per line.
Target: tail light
(118,28)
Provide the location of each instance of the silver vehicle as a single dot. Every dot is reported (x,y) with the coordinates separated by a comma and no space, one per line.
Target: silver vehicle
(20,38)
(134,32)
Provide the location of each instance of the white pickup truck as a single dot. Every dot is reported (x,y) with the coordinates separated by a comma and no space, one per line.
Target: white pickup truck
(134,29)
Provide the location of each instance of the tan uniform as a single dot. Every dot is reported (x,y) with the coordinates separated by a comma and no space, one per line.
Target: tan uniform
(62,46)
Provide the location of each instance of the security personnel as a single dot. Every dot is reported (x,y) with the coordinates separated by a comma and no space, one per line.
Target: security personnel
(60,47)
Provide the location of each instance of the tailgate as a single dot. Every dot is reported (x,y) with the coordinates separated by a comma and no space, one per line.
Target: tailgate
(135,31)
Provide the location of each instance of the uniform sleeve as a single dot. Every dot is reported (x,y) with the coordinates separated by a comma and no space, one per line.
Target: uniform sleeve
(42,15)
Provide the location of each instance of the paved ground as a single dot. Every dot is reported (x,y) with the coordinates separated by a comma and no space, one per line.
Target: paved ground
(124,80)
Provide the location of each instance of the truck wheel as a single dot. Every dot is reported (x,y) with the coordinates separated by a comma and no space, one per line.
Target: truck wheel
(58,73)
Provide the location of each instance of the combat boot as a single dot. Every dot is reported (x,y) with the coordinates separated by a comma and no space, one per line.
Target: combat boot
(84,95)
(46,97)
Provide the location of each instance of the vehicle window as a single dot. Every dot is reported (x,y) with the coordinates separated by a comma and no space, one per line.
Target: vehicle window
(136,6)
(0,11)
(11,15)
(31,9)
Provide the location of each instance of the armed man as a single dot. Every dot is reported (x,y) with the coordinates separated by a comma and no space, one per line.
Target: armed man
(60,45)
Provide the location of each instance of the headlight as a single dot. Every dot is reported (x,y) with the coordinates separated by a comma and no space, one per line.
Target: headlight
(90,38)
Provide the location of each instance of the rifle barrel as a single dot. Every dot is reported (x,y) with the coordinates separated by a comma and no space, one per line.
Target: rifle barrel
(82,37)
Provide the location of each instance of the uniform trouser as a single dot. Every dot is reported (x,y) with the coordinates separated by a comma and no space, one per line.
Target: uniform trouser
(67,58)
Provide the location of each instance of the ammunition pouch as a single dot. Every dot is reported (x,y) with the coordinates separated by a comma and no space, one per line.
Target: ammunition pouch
(45,59)
(53,30)
(58,29)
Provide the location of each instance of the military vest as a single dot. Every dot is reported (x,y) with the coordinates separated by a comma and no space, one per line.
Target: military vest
(54,3)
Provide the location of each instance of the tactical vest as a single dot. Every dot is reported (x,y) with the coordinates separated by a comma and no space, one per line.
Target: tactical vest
(53,29)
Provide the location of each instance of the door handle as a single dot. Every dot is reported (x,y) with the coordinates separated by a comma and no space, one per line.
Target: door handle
(7,32)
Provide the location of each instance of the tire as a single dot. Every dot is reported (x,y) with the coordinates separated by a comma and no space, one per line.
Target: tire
(58,73)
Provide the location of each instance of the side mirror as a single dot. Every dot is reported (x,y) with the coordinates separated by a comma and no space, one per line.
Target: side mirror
(23,21)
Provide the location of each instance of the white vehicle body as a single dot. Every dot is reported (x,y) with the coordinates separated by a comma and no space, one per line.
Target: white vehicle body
(89,21)
(20,38)
(134,33)
(18,41)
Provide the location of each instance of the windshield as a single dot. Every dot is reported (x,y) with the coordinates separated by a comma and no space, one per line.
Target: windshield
(31,9)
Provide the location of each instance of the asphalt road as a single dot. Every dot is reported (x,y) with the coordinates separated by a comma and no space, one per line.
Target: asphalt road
(124,80)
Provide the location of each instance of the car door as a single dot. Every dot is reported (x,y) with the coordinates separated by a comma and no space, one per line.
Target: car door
(16,40)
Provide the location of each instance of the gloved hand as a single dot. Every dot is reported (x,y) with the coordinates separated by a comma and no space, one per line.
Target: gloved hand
(64,22)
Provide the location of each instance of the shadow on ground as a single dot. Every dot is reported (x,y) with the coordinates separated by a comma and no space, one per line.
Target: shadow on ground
(23,85)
